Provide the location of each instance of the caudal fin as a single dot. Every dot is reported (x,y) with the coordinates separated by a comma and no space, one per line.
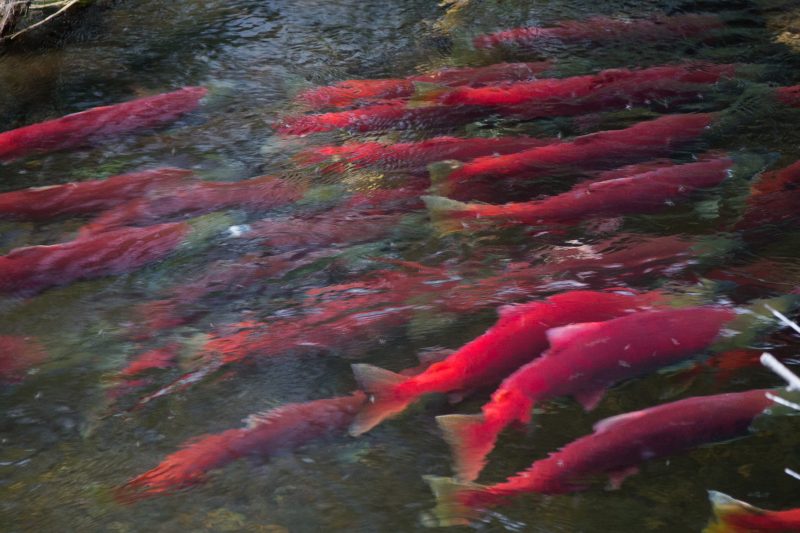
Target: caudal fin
(427,93)
(445,214)
(726,510)
(380,385)
(471,439)
(452,508)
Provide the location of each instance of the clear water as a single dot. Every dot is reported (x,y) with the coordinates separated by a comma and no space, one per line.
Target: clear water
(64,446)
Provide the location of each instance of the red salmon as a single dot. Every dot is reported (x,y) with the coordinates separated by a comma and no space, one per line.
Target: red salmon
(735,516)
(99,123)
(583,361)
(616,448)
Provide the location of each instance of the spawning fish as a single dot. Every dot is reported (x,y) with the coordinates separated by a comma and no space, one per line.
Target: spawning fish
(99,123)
(616,448)
(640,193)
(35,268)
(604,30)
(583,361)
(518,336)
(773,199)
(86,197)
(736,516)
(350,92)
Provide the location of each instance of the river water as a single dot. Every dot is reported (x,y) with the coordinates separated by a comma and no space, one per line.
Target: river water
(69,437)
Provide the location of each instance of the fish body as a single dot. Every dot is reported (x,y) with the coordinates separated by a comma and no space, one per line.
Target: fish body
(281,429)
(35,268)
(414,157)
(99,123)
(351,92)
(595,151)
(773,199)
(604,30)
(609,89)
(17,355)
(197,198)
(640,193)
(583,361)
(735,516)
(518,336)
(617,446)
(86,197)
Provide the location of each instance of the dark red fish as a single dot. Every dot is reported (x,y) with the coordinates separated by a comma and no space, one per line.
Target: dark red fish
(99,124)
(583,361)
(773,199)
(616,448)
(652,138)
(154,359)
(641,193)
(518,336)
(606,90)
(281,429)
(17,355)
(735,516)
(604,30)
(35,268)
(196,198)
(350,92)
(86,197)
(416,156)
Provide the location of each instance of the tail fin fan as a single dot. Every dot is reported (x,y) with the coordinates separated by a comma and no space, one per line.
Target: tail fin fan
(725,510)
(470,440)
(379,384)
(450,508)
(444,213)
(427,93)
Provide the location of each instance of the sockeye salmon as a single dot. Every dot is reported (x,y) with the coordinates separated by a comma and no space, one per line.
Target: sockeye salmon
(583,361)
(616,448)
(99,123)
(736,516)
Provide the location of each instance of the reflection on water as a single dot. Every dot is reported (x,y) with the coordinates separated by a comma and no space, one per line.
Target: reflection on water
(254,296)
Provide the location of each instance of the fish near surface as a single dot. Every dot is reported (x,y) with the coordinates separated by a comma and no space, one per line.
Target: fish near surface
(86,197)
(583,361)
(605,30)
(641,193)
(99,123)
(518,336)
(616,448)
(595,151)
(736,516)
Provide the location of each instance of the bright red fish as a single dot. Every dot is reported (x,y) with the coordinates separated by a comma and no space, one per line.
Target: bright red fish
(735,516)
(605,30)
(35,268)
(86,197)
(350,92)
(414,157)
(609,89)
(197,198)
(284,428)
(99,124)
(616,448)
(17,355)
(517,337)
(621,348)
(773,199)
(641,193)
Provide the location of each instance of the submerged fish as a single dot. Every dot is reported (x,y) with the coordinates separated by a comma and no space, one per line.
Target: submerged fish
(414,157)
(583,361)
(616,448)
(99,123)
(350,92)
(640,193)
(281,429)
(773,199)
(735,516)
(17,356)
(35,268)
(596,151)
(518,336)
(604,30)
(86,197)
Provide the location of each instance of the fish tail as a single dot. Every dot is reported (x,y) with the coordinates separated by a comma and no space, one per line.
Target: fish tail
(383,402)
(726,511)
(452,508)
(425,93)
(440,171)
(471,438)
(445,213)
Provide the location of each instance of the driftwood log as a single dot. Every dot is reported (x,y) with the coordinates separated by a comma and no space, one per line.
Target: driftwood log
(18,17)
(11,11)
